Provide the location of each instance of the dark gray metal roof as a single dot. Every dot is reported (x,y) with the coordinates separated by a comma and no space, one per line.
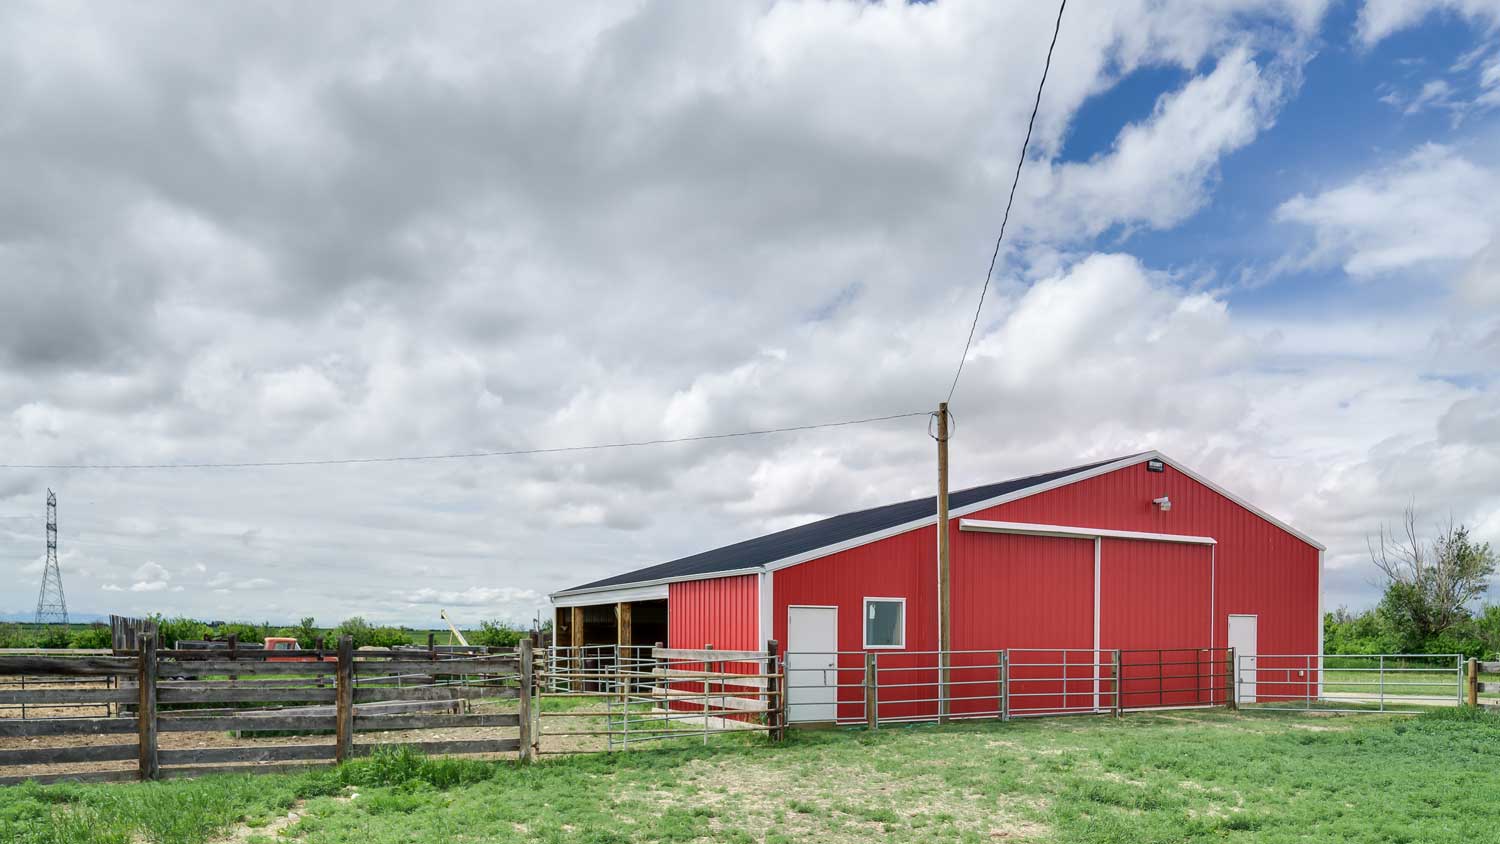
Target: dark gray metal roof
(821,534)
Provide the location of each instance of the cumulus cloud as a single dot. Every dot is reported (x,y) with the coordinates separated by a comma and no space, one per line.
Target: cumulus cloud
(1433,205)
(149,577)
(475,596)
(1160,170)
(1380,18)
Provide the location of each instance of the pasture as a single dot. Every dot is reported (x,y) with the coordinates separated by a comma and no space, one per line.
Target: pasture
(1161,777)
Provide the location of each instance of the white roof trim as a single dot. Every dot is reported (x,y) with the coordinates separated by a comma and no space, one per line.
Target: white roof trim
(1069,532)
(598,590)
(1027,492)
(628,592)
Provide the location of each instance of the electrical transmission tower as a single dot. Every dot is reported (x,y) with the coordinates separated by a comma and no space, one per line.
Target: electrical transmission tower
(51,606)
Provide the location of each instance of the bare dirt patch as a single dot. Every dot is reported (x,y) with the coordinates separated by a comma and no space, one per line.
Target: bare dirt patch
(759,800)
(244,831)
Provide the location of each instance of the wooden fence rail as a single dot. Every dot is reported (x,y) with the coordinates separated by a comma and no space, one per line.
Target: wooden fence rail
(1474,687)
(243,691)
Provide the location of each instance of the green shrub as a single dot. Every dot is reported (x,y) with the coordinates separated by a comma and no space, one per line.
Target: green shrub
(174,630)
(244,632)
(93,636)
(54,636)
(355,628)
(306,632)
(389,637)
(408,769)
(16,636)
(496,634)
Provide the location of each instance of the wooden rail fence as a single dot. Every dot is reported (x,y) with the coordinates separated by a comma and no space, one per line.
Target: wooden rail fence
(1473,688)
(184,691)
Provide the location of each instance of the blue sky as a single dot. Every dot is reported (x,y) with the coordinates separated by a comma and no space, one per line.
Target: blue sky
(1334,127)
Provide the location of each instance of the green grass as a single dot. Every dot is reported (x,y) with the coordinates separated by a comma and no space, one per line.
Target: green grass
(1170,777)
(1425,683)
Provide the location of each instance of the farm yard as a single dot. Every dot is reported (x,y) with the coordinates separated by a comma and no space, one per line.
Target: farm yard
(1177,776)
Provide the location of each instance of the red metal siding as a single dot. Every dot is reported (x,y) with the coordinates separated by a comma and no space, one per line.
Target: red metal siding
(1023,592)
(1155,607)
(1017,592)
(722,612)
(1261,569)
(1154,594)
(902,566)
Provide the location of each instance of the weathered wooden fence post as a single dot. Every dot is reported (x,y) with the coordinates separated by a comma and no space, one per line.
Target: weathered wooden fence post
(872,713)
(150,767)
(775,696)
(1473,682)
(528,686)
(344,701)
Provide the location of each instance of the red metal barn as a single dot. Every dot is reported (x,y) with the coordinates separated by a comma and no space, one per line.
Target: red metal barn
(1136,559)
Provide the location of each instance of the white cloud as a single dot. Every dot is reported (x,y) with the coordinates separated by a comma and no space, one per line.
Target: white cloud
(1160,170)
(473,596)
(152,571)
(1433,205)
(1380,18)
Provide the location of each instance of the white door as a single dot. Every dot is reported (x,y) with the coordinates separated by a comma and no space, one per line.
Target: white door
(812,642)
(1243,638)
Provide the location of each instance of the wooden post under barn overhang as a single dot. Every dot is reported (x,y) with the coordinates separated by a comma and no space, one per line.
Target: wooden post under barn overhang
(622,648)
(577,630)
(622,625)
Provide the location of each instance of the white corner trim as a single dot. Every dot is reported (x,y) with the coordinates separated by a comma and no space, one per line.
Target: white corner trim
(1095,658)
(1070,532)
(766,623)
(1320,623)
(864,626)
(611,596)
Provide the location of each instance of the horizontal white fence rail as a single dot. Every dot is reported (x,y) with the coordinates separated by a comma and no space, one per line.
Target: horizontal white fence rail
(1391,683)
(874,687)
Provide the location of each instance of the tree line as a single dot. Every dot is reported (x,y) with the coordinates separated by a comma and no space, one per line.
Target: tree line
(493,633)
(1433,599)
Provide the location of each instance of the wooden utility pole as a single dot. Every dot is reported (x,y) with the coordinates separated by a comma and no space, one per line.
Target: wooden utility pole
(945,631)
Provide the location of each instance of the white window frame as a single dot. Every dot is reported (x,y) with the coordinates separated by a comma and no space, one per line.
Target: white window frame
(864,625)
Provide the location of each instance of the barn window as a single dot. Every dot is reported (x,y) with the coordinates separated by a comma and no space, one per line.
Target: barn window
(885,623)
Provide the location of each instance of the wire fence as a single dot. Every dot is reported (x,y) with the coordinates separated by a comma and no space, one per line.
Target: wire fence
(638,695)
(648,694)
(1392,683)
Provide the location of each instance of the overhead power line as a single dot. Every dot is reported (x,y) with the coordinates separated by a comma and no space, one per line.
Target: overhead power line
(1015,180)
(408,458)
